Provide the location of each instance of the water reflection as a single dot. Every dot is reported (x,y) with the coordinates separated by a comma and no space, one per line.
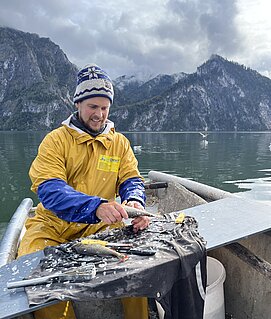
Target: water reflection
(226,157)
(17,150)
(231,161)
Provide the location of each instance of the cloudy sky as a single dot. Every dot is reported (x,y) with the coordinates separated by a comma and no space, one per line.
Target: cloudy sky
(149,36)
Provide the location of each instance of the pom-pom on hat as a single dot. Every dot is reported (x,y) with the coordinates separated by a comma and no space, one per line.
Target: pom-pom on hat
(92,81)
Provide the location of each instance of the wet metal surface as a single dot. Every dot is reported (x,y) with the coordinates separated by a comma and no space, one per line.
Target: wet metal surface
(230,219)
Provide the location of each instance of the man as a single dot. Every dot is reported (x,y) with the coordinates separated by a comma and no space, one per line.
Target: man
(79,170)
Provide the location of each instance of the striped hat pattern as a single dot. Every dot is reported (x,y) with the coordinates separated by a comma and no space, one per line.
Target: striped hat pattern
(92,81)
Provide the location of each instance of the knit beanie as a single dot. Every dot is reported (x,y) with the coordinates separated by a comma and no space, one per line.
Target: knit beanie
(92,81)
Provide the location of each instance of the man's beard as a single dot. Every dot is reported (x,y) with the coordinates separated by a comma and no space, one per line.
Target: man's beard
(75,120)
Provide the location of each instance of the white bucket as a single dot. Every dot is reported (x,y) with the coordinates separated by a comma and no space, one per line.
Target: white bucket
(214,302)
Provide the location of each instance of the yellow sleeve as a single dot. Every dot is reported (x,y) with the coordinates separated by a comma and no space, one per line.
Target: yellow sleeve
(49,162)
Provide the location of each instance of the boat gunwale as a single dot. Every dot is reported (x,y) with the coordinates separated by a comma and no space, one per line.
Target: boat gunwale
(11,237)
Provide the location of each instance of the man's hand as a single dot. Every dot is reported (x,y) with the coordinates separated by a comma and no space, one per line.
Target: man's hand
(141,222)
(111,212)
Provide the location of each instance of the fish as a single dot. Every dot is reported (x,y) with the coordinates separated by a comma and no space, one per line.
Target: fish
(88,241)
(97,249)
(136,212)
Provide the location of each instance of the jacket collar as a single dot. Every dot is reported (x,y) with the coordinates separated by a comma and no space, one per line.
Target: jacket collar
(106,137)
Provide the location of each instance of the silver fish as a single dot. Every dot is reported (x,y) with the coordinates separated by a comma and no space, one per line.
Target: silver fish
(97,249)
(135,212)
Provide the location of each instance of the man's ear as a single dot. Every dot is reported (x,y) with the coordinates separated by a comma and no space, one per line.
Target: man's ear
(77,104)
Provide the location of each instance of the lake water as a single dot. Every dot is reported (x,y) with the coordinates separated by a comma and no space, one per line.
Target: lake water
(231,161)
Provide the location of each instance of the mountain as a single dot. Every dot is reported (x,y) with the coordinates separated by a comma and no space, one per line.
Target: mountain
(130,89)
(37,82)
(220,96)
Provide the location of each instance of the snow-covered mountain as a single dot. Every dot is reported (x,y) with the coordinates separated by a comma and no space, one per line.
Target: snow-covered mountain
(221,95)
(37,83)
(131,89)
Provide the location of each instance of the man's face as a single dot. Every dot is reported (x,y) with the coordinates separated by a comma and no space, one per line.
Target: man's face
(93,112)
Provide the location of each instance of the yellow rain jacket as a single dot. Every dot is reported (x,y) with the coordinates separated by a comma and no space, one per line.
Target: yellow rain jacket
(95,166)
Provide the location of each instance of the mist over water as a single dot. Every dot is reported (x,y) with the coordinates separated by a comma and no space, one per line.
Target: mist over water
(233,162)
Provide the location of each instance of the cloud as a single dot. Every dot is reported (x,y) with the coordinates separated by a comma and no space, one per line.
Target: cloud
(206,25)
(154,36)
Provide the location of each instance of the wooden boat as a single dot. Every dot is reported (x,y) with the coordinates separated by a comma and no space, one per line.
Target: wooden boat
(237,233)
